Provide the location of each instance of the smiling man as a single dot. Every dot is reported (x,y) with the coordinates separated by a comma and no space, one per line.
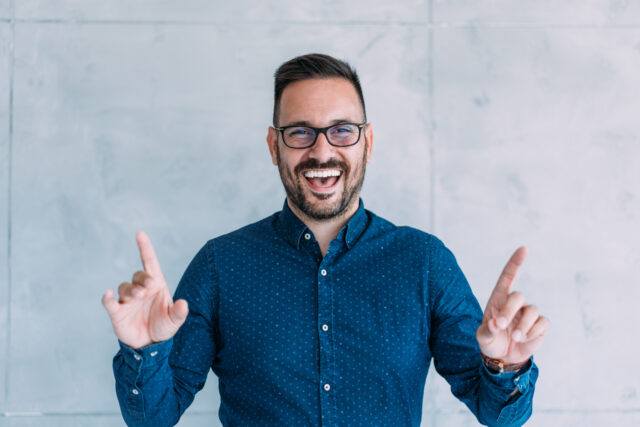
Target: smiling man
(323,313)
(322,181)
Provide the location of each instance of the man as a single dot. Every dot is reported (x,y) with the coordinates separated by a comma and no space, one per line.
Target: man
(323,313)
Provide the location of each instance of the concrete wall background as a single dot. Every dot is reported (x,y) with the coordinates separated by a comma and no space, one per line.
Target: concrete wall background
(497,123)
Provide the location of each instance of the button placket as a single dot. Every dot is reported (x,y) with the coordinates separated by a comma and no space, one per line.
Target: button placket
(325,315)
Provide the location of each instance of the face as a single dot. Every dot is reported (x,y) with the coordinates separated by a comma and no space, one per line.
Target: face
(322,182)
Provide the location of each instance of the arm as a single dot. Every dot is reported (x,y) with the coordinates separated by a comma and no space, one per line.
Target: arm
(455,315)
(156,380)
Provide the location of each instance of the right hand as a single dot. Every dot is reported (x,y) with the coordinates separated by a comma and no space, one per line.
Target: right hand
(145,312)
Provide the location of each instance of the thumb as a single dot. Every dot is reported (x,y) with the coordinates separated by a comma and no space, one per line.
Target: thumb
(178,312)
(486,331)
(109,302)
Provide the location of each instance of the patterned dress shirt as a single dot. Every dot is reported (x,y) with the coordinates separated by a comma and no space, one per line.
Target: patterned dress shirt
(299,339)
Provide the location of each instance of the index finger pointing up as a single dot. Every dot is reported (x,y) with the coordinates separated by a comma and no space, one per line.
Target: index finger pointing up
(148,255)
(510,270)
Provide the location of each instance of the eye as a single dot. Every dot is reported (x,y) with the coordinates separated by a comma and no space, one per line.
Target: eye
(299,131)
(343,129)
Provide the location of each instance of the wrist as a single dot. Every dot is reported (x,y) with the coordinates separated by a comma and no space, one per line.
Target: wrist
(498,366)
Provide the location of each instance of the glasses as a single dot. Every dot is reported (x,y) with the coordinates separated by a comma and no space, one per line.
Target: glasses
(342,135)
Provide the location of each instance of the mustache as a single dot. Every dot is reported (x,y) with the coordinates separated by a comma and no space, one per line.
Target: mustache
(315,164)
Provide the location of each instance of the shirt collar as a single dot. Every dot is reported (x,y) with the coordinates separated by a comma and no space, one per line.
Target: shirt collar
(356,225)
(292,229)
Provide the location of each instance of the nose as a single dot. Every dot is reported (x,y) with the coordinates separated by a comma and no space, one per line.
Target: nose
(321,150)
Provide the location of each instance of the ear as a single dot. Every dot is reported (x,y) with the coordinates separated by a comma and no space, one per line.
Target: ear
(368,137)
(272,142)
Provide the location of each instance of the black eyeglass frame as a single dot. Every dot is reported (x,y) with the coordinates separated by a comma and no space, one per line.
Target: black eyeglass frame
(318,131)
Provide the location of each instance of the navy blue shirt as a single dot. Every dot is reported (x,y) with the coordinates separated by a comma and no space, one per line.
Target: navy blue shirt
(296,338)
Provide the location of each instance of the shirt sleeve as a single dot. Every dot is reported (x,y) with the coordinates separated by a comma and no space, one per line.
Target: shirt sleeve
(156,384)
(495,399)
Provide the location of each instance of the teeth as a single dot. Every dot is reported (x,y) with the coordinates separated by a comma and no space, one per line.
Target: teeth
(321,173)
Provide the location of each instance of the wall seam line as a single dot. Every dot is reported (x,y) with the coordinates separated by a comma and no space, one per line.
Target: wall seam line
(85,414)
(7,351)
(429,23)
(430,126)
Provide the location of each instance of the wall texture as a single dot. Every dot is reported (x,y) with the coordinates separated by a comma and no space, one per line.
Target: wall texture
(497,123)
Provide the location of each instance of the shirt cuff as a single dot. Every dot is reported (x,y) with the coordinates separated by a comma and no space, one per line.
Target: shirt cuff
(133,369)
(151,354)
(507,382)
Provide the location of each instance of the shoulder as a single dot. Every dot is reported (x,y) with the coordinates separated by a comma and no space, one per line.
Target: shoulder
(255,230)
(401,233)
(413,244)
(244,243)
(217,251)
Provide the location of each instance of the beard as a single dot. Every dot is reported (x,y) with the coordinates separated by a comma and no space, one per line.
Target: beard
(295,188)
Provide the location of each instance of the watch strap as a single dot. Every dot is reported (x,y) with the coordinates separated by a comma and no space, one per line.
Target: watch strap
(498,366)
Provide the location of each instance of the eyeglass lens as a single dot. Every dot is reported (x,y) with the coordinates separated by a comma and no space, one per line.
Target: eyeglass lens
(300,136)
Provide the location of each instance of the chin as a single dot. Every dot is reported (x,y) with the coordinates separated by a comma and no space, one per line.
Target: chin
(324,207)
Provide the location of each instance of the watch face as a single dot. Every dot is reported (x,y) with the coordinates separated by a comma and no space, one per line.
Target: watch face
(495,366)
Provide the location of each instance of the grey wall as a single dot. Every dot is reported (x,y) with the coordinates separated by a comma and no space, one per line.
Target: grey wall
(497,123)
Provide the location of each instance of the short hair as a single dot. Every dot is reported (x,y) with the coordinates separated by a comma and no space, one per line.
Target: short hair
(313,66)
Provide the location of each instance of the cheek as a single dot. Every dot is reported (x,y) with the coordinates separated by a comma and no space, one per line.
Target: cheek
(286,161)
(359,159)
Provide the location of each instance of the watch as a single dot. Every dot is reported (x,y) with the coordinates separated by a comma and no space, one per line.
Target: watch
(497,366)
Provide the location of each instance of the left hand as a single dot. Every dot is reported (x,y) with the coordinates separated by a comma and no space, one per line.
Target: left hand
(511,330)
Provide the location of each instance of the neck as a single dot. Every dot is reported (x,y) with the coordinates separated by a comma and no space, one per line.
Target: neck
(327,229)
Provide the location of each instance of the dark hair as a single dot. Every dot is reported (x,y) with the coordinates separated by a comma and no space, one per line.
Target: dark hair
(313,66)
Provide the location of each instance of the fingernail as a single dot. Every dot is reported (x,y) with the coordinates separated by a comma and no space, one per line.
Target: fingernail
(517,335)
(502,322)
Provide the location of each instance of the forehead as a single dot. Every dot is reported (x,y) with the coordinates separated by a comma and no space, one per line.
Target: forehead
(320,101)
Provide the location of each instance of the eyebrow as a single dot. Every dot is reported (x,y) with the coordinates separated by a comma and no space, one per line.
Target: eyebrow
(306,123)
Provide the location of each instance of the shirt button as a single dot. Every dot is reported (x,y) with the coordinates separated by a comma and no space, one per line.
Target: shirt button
(135,356)
(325,328)
(327,387)
(307,236)
(323,272)
(134,391)
(153,353)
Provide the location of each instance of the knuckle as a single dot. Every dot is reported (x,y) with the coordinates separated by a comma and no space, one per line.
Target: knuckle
(138,276)
(541,325)
(517,297)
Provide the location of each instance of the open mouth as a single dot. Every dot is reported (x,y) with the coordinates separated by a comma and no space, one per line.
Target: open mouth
(323,180)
